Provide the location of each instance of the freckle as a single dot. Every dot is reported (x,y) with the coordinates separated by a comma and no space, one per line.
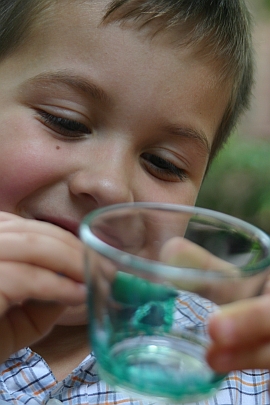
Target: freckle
(57,147)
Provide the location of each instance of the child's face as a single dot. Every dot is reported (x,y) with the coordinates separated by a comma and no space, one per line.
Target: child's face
(92,116)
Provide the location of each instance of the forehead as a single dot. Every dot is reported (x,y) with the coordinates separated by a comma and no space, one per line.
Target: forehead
(130,64)
(85,18)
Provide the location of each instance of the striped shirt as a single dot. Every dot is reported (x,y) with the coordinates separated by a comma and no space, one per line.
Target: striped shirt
(25,378)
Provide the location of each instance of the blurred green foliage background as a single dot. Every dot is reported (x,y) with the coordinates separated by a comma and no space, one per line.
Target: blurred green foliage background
(238,182)
(266,4)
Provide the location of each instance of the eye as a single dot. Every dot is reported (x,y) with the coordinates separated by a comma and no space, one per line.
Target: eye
(163,168)
(66,127)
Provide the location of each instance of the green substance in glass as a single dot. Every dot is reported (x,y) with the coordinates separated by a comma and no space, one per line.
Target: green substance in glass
(137,350)
(143,305)
(135,291)
(148,366)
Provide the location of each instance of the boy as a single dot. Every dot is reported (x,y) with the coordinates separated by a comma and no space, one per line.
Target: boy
(101,102)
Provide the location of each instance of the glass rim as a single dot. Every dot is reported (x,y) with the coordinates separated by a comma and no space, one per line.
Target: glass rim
(148,266)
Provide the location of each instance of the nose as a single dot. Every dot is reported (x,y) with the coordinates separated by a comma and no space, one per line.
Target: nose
(103,180)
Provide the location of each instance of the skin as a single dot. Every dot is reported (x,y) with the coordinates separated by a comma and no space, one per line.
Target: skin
(241,336)
(240,331)
(89,117)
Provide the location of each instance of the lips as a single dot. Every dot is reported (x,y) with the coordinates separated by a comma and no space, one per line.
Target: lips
(64,223)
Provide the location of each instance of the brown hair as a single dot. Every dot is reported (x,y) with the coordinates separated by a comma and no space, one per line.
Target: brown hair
(219,30)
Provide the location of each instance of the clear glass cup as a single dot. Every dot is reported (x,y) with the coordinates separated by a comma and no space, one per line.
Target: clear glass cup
(148,316)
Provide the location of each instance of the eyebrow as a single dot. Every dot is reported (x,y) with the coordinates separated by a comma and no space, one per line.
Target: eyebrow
(190,133)
(97,93)
(70,80)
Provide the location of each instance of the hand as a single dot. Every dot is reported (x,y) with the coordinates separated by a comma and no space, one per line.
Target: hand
(240,331)
(180,252)
(41,273)
(241,335)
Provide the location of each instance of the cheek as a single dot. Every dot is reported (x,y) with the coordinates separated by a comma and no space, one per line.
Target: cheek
(183,193)
(24,170)
(28,157)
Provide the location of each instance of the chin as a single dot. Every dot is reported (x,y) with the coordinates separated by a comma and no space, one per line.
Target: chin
(74,316)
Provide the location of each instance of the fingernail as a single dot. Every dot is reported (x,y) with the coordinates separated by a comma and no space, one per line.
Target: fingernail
(223,329)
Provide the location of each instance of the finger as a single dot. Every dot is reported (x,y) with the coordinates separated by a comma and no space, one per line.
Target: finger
(11,223)
(7,216)
(242,323)
(226,360)
(44,251)
(24,325)
(182,252)
(20,282)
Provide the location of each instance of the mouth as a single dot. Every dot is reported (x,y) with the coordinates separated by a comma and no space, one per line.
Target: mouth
(69,225)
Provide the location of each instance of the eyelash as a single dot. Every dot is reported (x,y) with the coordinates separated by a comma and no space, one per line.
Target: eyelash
(64,126)
(72,129)
(164,168)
